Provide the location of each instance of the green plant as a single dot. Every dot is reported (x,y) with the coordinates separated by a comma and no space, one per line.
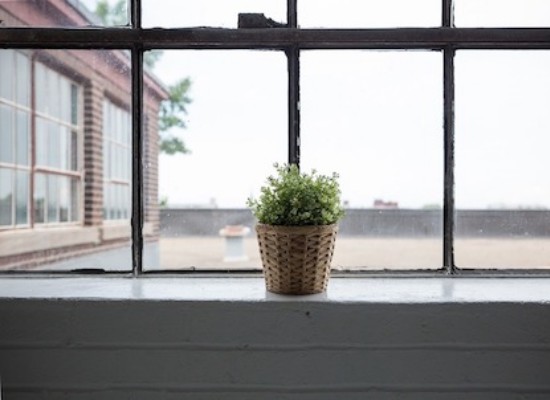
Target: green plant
(293,198)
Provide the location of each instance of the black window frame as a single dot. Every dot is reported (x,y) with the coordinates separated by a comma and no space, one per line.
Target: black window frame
(290,39)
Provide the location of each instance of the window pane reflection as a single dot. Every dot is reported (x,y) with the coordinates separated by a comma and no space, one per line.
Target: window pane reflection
(236,129)
(375,118)
(502,13)
(51,159)
(502,192)
(216,13)
(368,13)
(63,13)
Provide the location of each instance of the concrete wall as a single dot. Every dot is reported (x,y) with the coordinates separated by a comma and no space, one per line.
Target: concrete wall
(372,222)
(211,350)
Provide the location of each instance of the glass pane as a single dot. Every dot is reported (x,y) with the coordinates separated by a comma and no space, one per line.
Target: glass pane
(52,190)
(40,88)
(375,119)
(68,223)
(236,130)
(73,164)
(368,13)
(75,200)
(74,105)
(7,66)
(502,141)
(65,13)
(41,142)
(65,150)
(22,198)
(64,198)
(218,13)
(54,145)
(22,137)
(502,13)
(23,82)
(6,196)
(65,100)
(53,86)
(39,198)
(6,134)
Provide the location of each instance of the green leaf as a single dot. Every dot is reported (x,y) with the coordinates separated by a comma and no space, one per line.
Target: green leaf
(173,145)
(293,198)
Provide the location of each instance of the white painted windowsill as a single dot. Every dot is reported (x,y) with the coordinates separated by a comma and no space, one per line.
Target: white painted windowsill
(252,289)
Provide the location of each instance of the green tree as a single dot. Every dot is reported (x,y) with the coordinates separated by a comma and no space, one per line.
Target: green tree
(172,113)
(172,110)
(112,15)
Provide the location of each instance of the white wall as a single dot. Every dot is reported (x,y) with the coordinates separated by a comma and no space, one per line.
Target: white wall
(140,346)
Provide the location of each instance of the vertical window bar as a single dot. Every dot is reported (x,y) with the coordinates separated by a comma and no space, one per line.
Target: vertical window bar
(293,57)
(291,13)
(137,150)
(449,181)
(135,14)
(447,17)
(33,141)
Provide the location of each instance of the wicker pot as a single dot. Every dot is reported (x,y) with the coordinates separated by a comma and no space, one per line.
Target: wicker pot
(296,259)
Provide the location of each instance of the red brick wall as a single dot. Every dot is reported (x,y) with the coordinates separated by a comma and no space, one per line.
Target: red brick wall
(93,154)
(99,74)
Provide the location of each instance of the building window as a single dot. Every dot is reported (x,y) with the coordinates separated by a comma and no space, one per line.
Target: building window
(116,162)
(15,111)
(57,171)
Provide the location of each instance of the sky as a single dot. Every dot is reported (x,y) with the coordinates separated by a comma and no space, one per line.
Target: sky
(373,117)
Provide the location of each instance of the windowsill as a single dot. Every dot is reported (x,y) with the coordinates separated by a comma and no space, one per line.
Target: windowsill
(252,289)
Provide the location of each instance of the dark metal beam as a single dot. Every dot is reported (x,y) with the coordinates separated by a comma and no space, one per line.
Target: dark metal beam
(137,165)
(211,38)
(293,57)
(449,160)
(292,13)
(135,13)
(447,13)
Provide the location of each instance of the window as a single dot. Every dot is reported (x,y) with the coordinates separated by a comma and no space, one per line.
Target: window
(117,162)
(15,114)
(58,131)
(431,111)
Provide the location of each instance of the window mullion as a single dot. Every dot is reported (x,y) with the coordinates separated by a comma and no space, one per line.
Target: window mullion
(137,151)
(293,57)
(447,16)
(449,160)
(292,13)
(135,14)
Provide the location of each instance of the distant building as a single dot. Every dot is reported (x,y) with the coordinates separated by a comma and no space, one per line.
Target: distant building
(385,204)
(65,144)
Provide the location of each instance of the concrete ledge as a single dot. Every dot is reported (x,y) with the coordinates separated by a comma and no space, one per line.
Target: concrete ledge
(252,289)
(31,240)
(226,338)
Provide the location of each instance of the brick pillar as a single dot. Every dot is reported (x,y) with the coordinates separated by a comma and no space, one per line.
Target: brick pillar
(93,154)
(150,169)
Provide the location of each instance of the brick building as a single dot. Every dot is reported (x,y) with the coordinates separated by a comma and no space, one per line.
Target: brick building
(65,144)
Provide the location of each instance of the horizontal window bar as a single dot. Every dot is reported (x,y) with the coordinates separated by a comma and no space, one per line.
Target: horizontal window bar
(276,38)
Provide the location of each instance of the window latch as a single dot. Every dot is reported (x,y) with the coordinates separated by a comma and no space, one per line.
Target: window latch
(257,21)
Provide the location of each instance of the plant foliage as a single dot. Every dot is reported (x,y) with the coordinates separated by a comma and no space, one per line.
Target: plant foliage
(173,110)
(293,198)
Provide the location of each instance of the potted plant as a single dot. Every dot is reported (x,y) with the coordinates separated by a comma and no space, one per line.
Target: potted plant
(297,224)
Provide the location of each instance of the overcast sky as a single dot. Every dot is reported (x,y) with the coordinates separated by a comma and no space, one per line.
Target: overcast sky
(373,117)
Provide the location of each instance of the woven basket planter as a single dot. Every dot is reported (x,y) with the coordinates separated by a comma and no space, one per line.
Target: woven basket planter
(296,259)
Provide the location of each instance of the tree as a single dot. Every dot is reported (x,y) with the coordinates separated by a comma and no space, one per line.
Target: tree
(112,15)
(173,110)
